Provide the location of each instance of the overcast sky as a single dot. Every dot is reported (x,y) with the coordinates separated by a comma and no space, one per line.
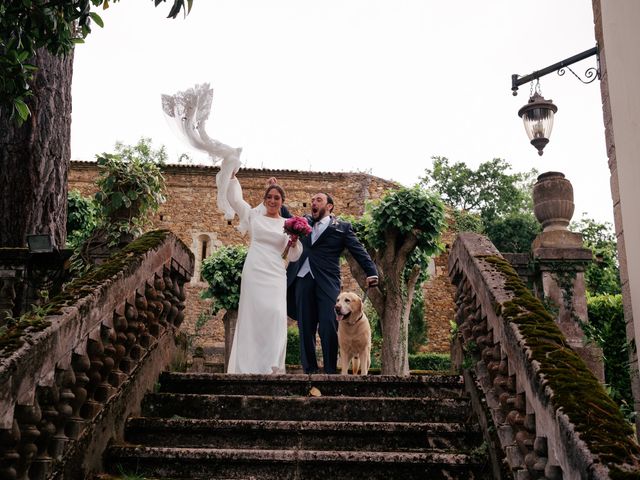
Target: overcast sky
(378,86)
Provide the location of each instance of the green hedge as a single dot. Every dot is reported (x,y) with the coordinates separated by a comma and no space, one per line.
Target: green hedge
(606,327)
(417,361)
(293,347)
(430,361)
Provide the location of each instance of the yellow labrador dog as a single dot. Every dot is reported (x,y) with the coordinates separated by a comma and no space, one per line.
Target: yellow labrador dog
(354,334)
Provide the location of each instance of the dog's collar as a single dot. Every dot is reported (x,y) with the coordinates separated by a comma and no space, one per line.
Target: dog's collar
(356,320)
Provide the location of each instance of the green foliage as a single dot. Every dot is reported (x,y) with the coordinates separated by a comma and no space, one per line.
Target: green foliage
(607,329)
(430,361)
(417,330)
(401,213)
(514,232)
(488,200)
(131,188)
(408,210)
(293,346)
(82,218)
(489,190)
(465,221)
(27,25)
(223,271)
(603,275)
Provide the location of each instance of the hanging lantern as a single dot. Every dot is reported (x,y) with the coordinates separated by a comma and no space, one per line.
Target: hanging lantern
(538,120)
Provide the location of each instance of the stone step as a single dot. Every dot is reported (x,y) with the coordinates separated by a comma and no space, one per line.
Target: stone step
(211,463)
(434,386)
(304,435)
(343,408)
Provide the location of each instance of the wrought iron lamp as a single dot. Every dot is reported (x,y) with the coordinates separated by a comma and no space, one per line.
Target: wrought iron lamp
(538,113)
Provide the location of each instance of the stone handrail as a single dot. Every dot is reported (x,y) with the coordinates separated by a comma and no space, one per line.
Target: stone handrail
(78,374)
(553,418)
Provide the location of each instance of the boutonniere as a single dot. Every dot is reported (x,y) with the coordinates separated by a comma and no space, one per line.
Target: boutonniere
(335,224)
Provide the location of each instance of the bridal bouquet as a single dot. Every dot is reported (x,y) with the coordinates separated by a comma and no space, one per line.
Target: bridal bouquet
(295,227)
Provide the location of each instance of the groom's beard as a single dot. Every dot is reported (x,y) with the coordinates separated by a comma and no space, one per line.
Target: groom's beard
(319,214)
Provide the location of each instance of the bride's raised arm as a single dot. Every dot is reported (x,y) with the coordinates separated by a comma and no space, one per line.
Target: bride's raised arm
(239,205)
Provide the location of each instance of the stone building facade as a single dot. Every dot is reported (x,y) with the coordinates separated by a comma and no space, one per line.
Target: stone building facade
(190,212)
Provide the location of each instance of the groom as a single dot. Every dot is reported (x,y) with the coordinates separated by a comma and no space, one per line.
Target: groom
(316,280)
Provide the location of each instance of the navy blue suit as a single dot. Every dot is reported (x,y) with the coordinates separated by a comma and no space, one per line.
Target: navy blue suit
(315,296)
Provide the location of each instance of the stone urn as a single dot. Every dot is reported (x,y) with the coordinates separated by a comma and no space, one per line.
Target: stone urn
(553,201)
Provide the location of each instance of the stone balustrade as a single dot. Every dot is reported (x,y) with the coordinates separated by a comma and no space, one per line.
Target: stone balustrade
(83,371)
(553,418)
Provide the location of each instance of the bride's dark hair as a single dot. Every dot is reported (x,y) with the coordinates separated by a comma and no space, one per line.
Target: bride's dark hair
(271,187)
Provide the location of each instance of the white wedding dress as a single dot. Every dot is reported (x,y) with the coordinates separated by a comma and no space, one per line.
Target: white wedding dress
(260,340)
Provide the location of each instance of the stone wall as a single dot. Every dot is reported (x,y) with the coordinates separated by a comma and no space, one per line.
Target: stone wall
(190,212)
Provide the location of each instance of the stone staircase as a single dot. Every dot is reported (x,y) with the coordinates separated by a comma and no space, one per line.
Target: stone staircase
(202,425)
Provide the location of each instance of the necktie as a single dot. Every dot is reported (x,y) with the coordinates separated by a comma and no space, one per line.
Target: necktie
(314,232)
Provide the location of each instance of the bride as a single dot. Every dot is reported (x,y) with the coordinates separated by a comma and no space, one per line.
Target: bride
(260,340)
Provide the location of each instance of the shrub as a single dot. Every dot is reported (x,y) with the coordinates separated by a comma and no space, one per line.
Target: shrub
(293,346)
(223,271)
(607,329)
(131,188)
(430,361)
(82,218)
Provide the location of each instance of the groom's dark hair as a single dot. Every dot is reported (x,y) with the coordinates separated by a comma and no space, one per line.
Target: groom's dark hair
(330,201)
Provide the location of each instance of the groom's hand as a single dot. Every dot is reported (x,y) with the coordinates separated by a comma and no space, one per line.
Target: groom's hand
(272,181)
(372,282)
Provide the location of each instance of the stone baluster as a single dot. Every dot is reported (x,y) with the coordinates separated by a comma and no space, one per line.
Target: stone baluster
(28,417)
(134,328)
(95,351)
(154,305)
(105,390)
(124,342)
(118,351)
(41,466)
(159,285)
(9,456)
(80,365)
(65,379)
(147,317)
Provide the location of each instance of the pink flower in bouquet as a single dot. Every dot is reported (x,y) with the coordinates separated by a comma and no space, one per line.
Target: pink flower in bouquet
(295,227)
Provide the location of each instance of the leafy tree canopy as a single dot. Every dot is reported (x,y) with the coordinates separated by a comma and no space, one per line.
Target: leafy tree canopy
(603,275)
(488,200)
(28,25)
(489,190)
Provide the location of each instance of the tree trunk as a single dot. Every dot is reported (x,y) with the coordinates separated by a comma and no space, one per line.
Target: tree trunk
(34,158)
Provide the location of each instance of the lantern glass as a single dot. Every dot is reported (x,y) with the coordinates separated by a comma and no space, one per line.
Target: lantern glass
(537,115)
(538,122)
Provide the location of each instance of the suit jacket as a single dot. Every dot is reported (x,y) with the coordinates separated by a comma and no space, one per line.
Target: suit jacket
(324,256)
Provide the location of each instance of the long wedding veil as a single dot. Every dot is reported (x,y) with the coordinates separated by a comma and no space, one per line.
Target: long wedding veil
(188,112)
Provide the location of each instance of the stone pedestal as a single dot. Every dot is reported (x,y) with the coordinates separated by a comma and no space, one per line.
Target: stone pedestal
(560,261)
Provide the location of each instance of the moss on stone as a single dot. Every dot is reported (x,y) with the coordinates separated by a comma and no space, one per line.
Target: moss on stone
(596,417)
(126,260)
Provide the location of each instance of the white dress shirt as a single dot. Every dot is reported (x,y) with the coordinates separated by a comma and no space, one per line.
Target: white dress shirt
(318,227)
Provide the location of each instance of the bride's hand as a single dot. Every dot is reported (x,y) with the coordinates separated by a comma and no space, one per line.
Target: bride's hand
(293,238)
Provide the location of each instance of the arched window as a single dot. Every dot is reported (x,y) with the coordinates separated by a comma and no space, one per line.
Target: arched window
(204,243)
